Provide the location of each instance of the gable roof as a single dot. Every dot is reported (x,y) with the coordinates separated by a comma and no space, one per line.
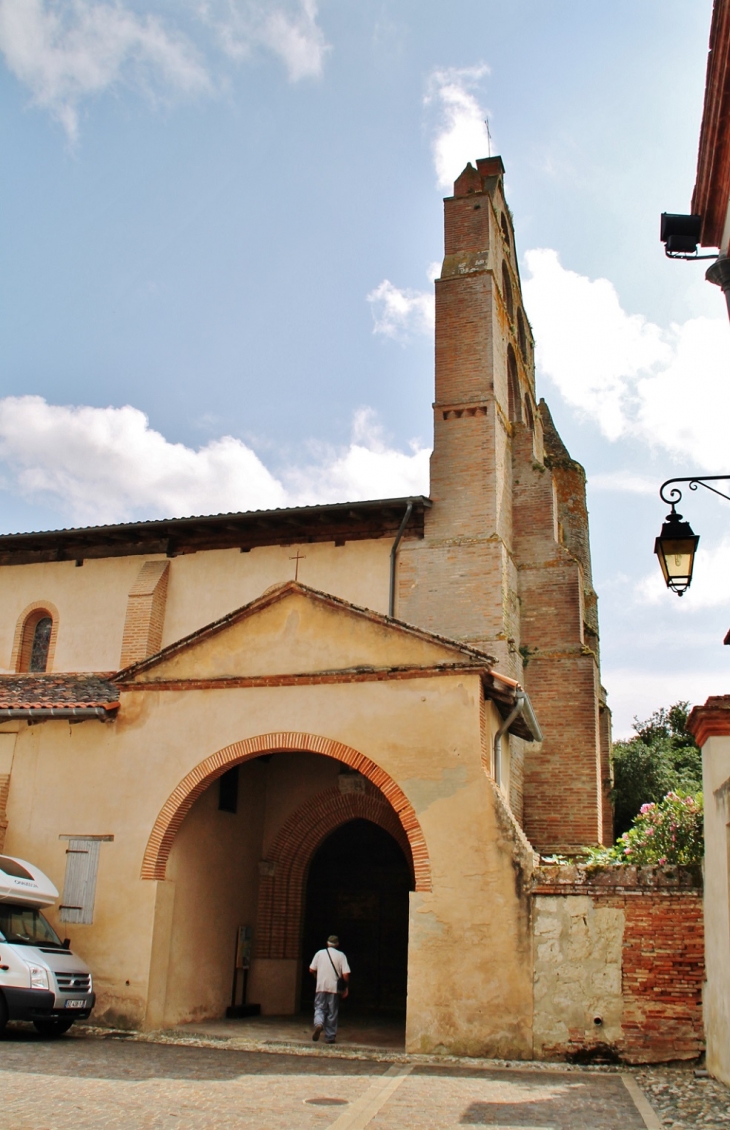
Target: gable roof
(463,654)
(442,653)
(341,521)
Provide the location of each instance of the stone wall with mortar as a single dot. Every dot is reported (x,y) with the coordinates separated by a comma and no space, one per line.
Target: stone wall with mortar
(618,964)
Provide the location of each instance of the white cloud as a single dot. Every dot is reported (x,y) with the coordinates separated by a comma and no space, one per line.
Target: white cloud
(288,29)
(68,51)
(96,465)
(461,134)
(667,388)
(635,692)
(367,468)
(624,481)
(401,313)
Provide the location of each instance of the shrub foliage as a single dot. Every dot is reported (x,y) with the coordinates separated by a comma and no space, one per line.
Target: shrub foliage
(661,759)
(666,832)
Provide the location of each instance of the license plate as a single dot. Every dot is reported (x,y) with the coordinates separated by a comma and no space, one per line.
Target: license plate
(75,1004)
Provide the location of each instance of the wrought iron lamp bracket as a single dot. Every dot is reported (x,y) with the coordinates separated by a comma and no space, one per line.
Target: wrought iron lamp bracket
(673,496)
(688,258)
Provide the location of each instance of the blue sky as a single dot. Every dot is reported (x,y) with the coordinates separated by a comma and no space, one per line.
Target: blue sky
(219,222)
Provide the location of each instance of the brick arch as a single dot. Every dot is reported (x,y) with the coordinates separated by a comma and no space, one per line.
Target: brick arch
(22,639)
(281,887)
(181,800)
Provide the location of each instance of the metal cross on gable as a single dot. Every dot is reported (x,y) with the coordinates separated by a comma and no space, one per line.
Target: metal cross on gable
(297,557)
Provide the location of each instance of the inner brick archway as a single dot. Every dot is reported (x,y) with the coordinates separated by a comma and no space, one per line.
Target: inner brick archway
(281,888)
(181,800)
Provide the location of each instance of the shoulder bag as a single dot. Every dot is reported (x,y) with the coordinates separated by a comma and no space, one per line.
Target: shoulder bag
(341,982)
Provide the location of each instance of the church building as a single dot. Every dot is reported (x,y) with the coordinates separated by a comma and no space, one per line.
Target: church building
(366,718)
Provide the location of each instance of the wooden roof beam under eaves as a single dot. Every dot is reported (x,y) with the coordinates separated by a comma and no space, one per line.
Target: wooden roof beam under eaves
(348,521)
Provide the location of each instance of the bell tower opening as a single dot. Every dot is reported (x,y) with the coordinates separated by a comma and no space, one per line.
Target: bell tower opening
(357,888)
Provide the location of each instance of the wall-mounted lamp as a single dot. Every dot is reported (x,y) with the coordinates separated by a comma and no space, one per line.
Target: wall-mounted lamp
(680,236)
(677,544)
(676,547)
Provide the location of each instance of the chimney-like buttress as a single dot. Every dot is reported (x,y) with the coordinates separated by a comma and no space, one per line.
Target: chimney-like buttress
(504,564)
(484,376)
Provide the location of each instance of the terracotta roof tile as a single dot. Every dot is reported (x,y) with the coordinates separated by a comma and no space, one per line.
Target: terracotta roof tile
(62,691)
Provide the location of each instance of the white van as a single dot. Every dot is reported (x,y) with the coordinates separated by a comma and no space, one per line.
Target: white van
(40,979)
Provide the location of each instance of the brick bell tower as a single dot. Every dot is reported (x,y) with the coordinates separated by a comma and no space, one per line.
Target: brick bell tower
(505,561)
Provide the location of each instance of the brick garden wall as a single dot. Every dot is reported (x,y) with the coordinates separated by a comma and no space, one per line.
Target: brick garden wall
(624,946)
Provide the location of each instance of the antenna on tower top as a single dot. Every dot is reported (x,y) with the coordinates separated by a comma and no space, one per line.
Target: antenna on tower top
(489,138)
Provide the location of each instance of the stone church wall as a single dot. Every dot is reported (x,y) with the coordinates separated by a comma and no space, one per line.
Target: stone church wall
(619,964)
(114,610)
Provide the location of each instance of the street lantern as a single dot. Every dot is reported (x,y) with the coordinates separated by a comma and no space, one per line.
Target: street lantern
(676,547)
(677,543)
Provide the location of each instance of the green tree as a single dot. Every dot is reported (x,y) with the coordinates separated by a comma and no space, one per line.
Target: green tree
(662,758)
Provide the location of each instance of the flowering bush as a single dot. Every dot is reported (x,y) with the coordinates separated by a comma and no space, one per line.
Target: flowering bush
(661,757)
(669,831)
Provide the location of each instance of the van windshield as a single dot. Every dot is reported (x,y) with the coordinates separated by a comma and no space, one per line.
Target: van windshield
(24,926)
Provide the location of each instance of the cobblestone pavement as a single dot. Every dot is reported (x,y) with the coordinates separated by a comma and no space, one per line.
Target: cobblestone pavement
(682,1100)
(86,1082)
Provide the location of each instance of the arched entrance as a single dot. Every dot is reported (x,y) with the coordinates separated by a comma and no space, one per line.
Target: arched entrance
(182,798)
(244,858)
(357,888)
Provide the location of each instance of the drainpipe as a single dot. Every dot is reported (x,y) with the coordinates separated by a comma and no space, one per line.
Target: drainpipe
(523,707)
(393,552)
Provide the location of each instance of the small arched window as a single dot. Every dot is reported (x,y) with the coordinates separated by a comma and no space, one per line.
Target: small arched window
(513,385)
(521,335)
(507,291)
(40,645)
(35,641)
(529,416)
(505,228)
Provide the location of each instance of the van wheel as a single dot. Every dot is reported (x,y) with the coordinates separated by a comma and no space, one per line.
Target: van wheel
(53,1025)
(3,1013)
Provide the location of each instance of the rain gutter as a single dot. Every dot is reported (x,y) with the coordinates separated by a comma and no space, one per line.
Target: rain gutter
(45,713)
(523,708)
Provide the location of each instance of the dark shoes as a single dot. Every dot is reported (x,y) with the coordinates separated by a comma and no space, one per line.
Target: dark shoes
(317,1033)
(332,1041)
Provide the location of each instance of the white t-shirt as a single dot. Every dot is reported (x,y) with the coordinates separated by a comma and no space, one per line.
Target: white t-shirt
(326,975)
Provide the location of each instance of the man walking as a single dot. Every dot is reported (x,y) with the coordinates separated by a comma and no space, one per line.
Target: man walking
(329,966)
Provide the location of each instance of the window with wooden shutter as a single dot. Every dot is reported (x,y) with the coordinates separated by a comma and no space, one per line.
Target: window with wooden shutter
(79,888)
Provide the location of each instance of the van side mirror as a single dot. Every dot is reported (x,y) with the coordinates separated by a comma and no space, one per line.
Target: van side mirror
(66,943)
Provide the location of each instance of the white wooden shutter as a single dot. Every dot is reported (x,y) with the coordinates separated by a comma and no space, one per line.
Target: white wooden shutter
(79,888)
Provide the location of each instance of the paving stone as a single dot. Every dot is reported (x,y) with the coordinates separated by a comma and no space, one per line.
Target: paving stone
(91,1080)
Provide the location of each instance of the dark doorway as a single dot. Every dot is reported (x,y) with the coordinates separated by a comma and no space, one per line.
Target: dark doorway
(358,888)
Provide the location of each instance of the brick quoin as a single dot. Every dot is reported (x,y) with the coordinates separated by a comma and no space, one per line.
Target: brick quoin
(181,800)
(280,902)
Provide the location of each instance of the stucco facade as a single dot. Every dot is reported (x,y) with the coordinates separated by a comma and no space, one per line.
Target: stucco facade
(710,725)
(355,665)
